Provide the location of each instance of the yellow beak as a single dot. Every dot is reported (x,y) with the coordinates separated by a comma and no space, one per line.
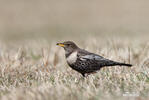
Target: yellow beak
(60,44)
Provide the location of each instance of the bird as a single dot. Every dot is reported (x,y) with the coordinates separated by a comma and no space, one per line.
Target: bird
(84,61)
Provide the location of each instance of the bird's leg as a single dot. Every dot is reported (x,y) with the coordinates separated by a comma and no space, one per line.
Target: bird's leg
(83,74)
(81,79)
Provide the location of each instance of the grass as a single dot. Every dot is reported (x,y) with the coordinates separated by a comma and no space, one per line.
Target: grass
(37,70)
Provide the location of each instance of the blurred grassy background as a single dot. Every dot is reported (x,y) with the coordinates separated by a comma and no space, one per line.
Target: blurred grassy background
(23,19)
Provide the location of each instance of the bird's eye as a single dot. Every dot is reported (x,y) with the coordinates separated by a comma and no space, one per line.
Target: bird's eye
(68,44)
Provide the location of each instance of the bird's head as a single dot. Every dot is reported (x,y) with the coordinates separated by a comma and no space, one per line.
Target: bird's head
(68,46)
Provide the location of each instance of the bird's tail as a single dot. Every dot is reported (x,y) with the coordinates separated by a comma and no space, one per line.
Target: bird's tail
(114,63)
(123,64)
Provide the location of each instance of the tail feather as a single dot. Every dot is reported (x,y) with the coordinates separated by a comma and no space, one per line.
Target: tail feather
(123,64)
(113,63)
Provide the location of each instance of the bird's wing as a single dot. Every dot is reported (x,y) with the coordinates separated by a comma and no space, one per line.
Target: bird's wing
(95,59)
(85,55)
(91,57)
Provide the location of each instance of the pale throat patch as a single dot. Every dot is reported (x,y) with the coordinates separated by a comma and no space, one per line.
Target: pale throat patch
(72,58)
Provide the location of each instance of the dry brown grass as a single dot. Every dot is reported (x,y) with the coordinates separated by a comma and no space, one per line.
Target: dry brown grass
(37,70)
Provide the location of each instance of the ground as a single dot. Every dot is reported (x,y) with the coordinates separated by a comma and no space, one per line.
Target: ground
(37,70)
